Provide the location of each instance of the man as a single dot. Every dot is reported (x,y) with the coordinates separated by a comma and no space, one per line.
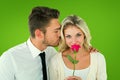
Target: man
(23,62)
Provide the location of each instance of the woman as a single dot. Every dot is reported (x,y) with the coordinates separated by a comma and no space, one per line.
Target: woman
(89,66)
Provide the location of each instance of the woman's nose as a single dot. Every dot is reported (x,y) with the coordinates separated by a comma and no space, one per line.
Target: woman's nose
(74,40)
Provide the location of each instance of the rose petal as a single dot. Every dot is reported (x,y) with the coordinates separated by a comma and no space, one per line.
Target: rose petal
(75,47)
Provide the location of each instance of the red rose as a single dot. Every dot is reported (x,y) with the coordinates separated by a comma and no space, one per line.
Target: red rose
(75,47)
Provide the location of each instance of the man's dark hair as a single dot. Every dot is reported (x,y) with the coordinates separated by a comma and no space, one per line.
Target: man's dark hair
(40,18)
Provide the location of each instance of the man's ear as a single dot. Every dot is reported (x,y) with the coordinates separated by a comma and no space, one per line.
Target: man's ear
(38,33)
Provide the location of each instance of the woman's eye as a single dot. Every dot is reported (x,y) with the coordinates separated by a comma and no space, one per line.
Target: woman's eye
(78,35)
(68,36)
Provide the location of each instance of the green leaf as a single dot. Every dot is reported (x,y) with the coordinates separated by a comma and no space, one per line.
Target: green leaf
(70,59)
(76,61)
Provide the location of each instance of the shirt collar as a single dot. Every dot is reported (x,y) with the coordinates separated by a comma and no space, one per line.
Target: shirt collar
(35,51)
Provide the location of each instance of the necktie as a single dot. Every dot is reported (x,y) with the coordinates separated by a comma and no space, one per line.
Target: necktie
(42,55)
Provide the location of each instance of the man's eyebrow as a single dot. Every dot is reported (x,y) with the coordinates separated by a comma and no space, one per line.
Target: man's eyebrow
(58,28)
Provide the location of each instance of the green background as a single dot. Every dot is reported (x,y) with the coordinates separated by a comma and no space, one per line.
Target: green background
(102,17)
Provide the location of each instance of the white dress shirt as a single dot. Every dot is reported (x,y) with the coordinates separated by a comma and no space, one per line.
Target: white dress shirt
(23,62)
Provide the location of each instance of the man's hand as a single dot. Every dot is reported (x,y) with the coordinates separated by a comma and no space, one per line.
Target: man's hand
(91,49)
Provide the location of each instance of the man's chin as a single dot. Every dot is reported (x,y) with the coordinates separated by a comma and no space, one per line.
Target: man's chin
(54,45)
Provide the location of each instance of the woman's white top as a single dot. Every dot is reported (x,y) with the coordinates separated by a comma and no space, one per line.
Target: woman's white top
(80,73)
(95,71)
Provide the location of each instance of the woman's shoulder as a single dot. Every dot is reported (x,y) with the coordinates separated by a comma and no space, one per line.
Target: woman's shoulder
(98,59)
(57,56)
(97,55)
(55,60)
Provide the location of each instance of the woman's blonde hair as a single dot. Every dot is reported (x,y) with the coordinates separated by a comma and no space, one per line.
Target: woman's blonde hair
(81,24)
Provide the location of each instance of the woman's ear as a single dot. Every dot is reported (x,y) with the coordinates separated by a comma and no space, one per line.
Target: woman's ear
(38,33)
